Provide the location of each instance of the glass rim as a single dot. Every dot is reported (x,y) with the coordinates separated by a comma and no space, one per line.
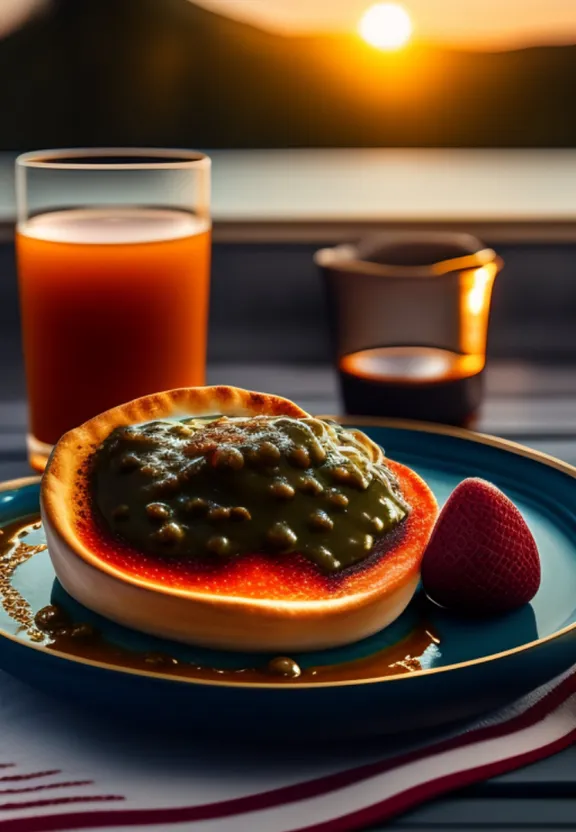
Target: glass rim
(157,158)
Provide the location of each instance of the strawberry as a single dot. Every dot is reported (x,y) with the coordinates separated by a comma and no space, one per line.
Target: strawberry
(481,558)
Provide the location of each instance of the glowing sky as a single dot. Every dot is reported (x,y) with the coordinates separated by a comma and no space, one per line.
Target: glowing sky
(15,12)
(469,23)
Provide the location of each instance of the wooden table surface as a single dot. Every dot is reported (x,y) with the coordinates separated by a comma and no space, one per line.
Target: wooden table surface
(534,405)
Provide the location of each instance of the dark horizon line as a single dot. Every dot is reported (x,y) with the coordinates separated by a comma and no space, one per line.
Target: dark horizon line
(419,43)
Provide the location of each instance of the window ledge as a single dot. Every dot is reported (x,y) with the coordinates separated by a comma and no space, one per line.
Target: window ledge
(329,195)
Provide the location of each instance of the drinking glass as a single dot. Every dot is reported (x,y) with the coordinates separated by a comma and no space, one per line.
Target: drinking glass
(113,253)
(409,316)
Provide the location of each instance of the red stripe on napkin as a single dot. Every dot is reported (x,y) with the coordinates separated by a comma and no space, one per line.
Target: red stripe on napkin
(14,778)
(44,786)
(324,785)
(61,801)
(386,809)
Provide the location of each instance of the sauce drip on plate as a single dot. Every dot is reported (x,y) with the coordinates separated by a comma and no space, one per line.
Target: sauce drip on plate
(53,627)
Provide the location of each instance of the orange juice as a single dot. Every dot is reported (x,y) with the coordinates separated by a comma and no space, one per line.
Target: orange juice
(114,305)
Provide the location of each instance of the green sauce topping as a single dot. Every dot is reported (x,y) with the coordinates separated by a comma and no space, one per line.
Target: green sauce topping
(222,487)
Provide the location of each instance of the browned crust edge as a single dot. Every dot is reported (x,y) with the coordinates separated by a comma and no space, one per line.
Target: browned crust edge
(65,467)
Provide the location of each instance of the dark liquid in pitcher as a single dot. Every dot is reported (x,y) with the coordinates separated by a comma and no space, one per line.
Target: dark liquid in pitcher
(422,383)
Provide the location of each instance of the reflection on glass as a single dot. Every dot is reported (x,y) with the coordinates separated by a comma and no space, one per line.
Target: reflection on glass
(409,317)
(113,261)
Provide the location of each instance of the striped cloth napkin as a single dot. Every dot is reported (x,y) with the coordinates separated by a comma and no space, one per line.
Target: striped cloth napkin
(64,769)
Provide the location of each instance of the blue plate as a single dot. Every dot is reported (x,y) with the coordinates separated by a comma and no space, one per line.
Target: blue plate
(476,666)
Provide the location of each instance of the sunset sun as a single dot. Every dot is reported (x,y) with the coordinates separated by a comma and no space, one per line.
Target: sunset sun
(386,26)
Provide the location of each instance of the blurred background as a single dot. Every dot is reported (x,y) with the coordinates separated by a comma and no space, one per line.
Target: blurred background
(287,73)
(326,119)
